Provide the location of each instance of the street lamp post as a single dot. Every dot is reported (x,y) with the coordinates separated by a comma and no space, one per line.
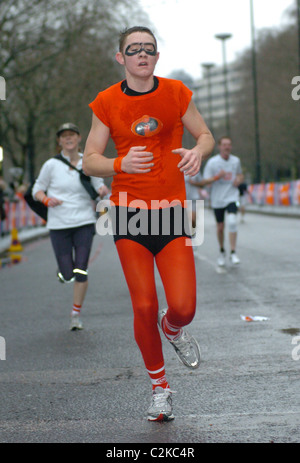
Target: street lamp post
(1,161)
(223,38)
(207,67)
(255,97)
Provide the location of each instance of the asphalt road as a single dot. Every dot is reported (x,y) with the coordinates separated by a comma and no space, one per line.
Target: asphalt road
(91,386)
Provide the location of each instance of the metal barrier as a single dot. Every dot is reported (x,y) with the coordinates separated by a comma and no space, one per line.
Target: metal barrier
(18,216)
(275,194)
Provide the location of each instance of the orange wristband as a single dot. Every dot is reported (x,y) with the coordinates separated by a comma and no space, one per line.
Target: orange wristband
(46,200)
(117,164)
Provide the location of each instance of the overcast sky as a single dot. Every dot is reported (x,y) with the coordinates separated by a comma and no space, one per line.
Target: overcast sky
(186,29)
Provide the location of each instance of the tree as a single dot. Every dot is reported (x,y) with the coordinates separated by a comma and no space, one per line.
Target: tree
(277,63)
(56,56)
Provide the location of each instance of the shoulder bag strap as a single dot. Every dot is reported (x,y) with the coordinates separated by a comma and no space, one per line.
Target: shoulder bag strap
(85,179)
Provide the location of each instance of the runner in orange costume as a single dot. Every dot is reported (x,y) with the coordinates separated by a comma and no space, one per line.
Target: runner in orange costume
(145,116)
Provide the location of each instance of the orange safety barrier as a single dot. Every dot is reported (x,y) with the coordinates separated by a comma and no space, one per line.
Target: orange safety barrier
(284,194)
(296,195)
(275,194)
(250,196)
(18,215)
(270,194)
(260,193)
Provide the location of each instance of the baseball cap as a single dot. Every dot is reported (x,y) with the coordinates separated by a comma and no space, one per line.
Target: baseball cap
(67,126)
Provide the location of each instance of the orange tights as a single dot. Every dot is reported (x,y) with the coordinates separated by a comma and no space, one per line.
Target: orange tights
(175,263)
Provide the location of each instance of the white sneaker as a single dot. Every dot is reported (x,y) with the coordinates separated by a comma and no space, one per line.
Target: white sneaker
(186,347)
(234,258)
(221,259)
(161,405)
(76,323)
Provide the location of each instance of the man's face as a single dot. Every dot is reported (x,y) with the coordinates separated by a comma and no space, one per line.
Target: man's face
(225,147)
(139,54)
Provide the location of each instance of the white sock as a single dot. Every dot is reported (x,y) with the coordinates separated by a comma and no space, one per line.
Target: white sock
(76,310)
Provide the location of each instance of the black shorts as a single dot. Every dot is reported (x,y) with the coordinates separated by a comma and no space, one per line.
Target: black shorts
(152,228)
(220,212)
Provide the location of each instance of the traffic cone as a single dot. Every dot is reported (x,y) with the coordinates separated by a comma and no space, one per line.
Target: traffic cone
(15,248)
(15,243)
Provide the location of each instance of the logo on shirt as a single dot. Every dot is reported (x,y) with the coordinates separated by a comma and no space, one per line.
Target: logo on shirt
(227,176)
(146,126)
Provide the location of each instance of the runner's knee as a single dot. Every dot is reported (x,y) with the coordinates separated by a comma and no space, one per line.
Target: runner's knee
(80,275)
(232,223)
(181,314)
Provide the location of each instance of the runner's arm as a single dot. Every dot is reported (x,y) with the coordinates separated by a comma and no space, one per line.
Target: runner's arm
(191,159)
(94,163)
(136,161)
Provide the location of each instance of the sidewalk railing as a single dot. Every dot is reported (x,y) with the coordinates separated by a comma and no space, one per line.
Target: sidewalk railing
(18,215)
(275,194)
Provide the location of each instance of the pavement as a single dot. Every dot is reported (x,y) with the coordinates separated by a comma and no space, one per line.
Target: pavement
(280,211)
(91,386)
(25,235)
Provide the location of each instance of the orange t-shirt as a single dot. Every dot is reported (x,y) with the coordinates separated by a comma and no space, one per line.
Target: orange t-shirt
(152,120)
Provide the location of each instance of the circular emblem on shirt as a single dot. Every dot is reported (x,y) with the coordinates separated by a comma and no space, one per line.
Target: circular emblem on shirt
(146,126)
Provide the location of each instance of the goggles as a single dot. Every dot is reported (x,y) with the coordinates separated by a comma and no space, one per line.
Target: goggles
(135,48)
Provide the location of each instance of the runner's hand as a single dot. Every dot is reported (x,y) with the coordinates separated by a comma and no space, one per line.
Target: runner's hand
(53,202)
(137,161)
(191,161)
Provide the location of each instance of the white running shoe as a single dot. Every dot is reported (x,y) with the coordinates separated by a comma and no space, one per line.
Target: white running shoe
(234,258)
(221,259)
(186,347)
(161,405)
(61,279)
(76,323)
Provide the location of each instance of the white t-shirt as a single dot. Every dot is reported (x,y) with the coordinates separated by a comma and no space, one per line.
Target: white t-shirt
(192,191)
(62,182)
(223,192)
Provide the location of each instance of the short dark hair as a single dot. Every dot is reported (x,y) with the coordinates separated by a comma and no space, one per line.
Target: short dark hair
(127,31)
(225,137)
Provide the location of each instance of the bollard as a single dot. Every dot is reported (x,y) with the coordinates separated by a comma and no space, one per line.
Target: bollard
(15,248)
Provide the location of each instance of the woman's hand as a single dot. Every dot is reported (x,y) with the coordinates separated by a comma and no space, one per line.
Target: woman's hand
(51,202)
(103,191)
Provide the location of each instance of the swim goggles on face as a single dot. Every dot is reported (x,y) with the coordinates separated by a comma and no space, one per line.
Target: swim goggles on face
(135,48)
